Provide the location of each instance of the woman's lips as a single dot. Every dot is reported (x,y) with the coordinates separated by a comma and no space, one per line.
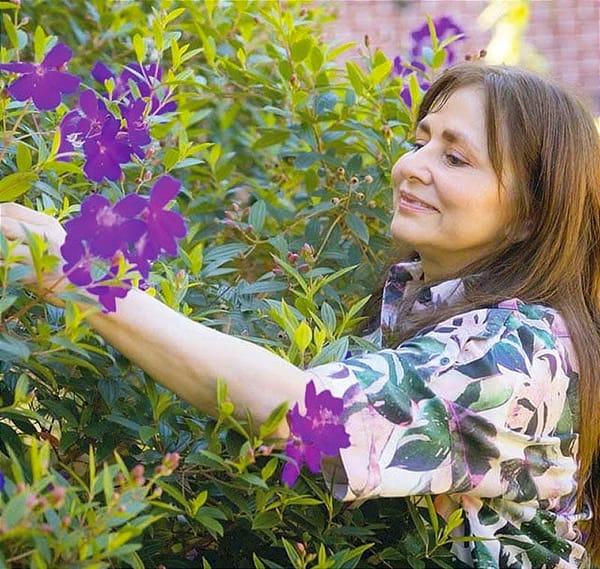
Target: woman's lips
(409,202)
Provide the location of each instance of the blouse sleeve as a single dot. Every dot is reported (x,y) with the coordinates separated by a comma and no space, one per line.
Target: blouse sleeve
(479,404)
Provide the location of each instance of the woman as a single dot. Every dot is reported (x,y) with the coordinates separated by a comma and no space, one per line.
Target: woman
(484,393)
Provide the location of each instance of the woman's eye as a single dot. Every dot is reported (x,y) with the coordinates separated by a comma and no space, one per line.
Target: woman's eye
(454,160)
(416,146)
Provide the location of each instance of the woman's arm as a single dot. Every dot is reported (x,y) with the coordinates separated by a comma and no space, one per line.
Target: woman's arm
(188,358)
(183,355)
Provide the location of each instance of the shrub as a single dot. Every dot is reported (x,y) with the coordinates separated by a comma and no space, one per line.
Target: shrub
(283,155)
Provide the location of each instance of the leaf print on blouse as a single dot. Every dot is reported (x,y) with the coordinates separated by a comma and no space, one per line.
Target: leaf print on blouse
(539,402)
(473,440)
(517,474)
(400,391)
(442,427)
(501,354)
(426,445)
(516,545)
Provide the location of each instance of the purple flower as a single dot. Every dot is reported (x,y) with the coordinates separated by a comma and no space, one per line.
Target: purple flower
(147,80)
(164,227)
(137,229)
(44,83)
(137,128)
(82,123)
(2,481)
(106,228)
(444,28)
(105,153)
(316,434)
(108,294)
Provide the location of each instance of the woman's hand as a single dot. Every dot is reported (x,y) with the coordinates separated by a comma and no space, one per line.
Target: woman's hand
(15,222)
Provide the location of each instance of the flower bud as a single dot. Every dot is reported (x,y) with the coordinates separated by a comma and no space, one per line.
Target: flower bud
(354,180)
(57,496)
(360,196)
(265,450)
(335,201)
(368,179)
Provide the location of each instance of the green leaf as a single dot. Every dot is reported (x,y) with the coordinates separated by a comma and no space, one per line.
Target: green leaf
(212,525)
(381,72)
(301,49)
(257,215)
(357,78)
(265,520)
(11,349)
(139,47)
(329,317)
(333,352)
(7,301)
(271,137)
(23,157)
(15,185)
(254,480)
(325,103)
(273,421)
(358,227)
(39,43)
(10,30)
(303,336)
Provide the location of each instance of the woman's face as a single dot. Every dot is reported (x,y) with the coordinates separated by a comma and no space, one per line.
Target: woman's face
(448,202)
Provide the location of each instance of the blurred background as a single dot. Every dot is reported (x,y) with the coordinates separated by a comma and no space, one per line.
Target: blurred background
(560,37)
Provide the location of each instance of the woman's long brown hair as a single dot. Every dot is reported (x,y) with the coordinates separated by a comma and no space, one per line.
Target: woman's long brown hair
(543,142)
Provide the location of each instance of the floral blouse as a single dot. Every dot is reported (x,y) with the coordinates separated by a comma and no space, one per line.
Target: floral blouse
(480,411)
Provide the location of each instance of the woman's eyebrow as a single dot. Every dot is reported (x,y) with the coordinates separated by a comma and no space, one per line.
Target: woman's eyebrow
(451,135)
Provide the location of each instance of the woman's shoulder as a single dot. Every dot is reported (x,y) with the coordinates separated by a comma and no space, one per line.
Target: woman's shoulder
(512,330)
(502,318)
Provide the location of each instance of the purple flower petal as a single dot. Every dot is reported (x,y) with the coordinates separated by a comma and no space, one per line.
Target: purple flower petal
(23,87)
(101,72)
(18,67)
(163,191)
(131,205)
(57,56)
(312,456)
(290,473)
(99,165)
(61,81)
(45,99)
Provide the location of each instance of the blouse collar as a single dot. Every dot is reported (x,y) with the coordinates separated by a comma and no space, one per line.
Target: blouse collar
(404,278)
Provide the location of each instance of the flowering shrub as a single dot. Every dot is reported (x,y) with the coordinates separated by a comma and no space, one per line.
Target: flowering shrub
(218,158)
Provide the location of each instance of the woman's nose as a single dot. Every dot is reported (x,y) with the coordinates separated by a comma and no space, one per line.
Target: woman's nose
(414,166)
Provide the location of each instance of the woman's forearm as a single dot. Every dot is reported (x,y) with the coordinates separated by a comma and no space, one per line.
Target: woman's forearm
(188,358)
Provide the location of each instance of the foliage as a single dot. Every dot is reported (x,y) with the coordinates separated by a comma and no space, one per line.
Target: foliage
(284,157)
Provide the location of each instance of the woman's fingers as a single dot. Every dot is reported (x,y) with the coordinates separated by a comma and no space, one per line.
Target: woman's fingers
(16,220)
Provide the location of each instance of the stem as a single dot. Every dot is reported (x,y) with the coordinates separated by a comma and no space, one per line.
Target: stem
(328,235)
(7,138)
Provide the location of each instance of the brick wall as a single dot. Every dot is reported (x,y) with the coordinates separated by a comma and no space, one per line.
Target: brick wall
(565,32)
